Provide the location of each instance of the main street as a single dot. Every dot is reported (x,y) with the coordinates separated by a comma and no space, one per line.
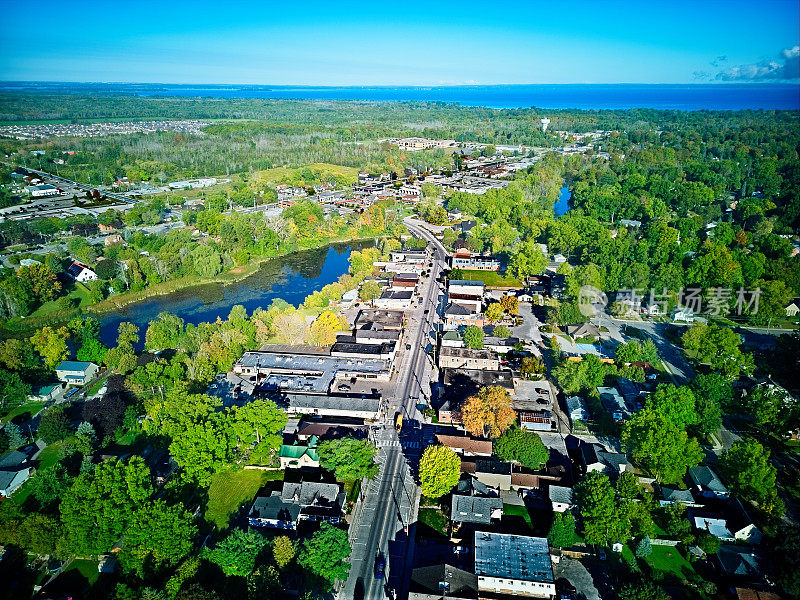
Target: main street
(384,522)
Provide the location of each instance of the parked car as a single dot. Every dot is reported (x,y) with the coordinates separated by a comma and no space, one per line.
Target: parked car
(459,550)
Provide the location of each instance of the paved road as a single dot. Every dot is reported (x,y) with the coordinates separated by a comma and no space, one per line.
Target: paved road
(385,520)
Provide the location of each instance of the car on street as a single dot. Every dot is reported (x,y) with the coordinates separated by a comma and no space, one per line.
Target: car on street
(380,566)
(459,550)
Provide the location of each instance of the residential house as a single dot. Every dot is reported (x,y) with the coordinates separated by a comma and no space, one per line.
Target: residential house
(576,408)
(707,483)
(596,458)
(273,512)
(15,469)
(306,501)
(514,565)
(500,345)
(299,456)
(682,314)
(741,563)
(674,496)
(349,298)
(490,472)
(583,330)
(560,497)
(475,509)
(533,401)
(793,308)
(613,402)
(81,273)
(465,445)
(76,372)
(467,358)
(729,522)
(452,339)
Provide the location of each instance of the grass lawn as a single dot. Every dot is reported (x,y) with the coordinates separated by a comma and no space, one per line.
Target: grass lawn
(434,518)
(230,489)
(87,568)
(669,560)
(491,278)
(666,559)
(29,407)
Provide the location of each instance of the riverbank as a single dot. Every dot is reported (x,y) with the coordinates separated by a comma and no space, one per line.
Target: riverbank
(24,327)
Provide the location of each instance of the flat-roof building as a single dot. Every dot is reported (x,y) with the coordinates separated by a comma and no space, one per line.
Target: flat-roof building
(513,564)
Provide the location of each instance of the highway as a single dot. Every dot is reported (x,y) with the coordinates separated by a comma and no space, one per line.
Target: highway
(385,521)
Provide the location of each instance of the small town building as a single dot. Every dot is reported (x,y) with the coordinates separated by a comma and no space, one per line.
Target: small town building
(514,565)
(560,498)
(481,510)
(81,273)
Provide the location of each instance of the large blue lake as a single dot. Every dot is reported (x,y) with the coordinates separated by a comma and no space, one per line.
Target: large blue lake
(721,96)
(291,277)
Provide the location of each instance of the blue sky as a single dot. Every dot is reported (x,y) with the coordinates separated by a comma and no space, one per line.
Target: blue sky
(400,43)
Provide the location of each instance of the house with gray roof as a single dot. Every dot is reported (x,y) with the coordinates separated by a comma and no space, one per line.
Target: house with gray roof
(707,483)
(560,498)
(674,496)
(475,509)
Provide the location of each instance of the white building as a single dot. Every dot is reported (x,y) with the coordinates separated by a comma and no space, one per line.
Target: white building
(81,273)
(41,191)
(513,564)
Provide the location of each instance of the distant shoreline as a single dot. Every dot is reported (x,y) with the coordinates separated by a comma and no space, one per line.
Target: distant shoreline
(556,96)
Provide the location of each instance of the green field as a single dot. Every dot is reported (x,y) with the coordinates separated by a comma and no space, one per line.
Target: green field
(492,279)
(666,559)
(231,489)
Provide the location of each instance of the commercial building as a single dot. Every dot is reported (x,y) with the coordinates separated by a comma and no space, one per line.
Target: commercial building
(394,300)
(467,358)
(41,191)
(464,259)
(514,564)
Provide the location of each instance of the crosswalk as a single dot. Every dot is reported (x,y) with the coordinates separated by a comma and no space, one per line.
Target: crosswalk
(408,444)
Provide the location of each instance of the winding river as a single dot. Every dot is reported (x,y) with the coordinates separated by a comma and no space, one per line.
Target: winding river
(291,277)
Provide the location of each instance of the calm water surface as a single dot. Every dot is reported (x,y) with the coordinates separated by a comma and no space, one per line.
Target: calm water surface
(291,277)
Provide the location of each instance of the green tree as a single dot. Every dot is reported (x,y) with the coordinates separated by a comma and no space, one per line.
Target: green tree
(92,350)
(708,542)
(324,554)
(257,426)
(602,520)
(348,458)
(562,531)
(627,486)
(370,290)
(489,412)
(158,537)
(748,471)
(501,331)
(51,344)
(494,312)
(50,484)
(677,404)
(202,449)
(713,388)
(644,548)
(54,425)
(660,446)
(164,332)
(524,447)
(283,551)
(98,508)
(439,471)
(719,348)
(473,337)
(236,554)
(13,390)
(530,367)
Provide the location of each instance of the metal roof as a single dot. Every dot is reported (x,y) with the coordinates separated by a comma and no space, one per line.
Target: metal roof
(512,557)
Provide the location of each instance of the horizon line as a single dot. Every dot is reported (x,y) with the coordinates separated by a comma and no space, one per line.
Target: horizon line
(785,82)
